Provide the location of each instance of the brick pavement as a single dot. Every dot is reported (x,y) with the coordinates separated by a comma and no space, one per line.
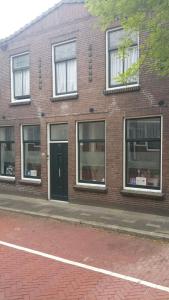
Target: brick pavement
(29,277)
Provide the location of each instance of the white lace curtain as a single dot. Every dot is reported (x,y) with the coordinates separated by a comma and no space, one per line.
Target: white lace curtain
(21,83)
(116,64)
(66,76)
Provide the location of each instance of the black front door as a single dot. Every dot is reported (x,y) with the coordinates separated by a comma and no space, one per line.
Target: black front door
(59,171)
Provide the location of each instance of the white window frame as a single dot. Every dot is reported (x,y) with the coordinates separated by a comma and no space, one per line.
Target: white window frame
(125,86)
(124,156)
(54,72)
(37,180)
(87,184)
(13,100)
(9,178)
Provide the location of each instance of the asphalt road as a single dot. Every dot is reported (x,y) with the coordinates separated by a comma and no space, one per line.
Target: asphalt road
(42,259)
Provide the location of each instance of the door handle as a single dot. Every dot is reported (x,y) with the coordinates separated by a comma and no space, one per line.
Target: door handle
(59,172)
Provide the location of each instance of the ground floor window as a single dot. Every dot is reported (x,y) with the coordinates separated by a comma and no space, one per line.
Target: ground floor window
(143,153)
(91,152)
(7,151)
(31,152)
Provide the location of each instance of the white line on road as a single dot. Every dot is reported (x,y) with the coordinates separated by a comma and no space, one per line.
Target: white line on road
(87,267)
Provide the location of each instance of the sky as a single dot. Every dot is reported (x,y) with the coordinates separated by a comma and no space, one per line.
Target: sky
(15,14)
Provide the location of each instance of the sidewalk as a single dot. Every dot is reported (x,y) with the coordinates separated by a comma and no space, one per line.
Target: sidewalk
(149,225)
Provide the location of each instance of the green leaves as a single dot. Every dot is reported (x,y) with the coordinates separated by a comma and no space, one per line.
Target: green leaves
(150,18)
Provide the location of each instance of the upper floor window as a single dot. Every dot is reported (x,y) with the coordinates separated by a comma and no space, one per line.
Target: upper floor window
(119,63)
(20,77)
(65,68)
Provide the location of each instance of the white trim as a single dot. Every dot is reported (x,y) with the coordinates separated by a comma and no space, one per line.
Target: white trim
(48,158)
(87,184)
(128,86)
(58,142)
(13,100)
(161,171)
(100,186)
(87,267)
(142,190)
(121,87)
(22,173)
(124,155)
(26,100)
(53,69)
(31,180)
(21,133)
(65,95)
(77,159)
(64,42)
(7,178)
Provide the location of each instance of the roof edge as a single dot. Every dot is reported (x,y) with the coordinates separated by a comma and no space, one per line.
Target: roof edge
(39,18)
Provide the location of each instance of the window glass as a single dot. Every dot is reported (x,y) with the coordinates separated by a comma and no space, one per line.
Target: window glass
(59,132)
(61,77)
(92,152)
(31,133)
(71,76)
(7,134)
(116,38)
(65,51)
(65,68)
(143,147)
(144,128)
(21,77)
(120,62)
(7,151)
(31,151)
(21,61)
(91,130)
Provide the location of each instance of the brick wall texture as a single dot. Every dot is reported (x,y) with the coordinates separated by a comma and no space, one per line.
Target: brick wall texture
(67,22)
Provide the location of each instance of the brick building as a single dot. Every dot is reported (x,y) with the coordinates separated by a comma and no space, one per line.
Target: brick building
(68,130)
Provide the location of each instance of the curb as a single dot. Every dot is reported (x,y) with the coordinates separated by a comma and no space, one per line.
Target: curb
(116,228)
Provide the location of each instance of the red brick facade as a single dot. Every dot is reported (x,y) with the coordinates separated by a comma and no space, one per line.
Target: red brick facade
(66,22)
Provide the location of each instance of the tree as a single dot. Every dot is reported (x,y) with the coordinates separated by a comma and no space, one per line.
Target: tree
(148,17)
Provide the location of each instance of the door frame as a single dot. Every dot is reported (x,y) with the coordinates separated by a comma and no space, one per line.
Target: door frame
(48,158)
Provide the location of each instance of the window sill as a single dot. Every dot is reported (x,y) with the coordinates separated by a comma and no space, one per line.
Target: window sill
(30,182)
(64,97)
(122,89)
(89,188)
(7,179)
(20,102)
(143,194)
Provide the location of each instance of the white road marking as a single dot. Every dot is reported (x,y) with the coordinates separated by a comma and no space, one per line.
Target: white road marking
(87,267)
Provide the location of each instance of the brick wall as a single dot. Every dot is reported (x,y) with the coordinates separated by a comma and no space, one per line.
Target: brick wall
(67,22)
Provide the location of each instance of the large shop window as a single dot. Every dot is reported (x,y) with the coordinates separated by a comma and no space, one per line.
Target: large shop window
(31,152)
(7,152)
(143,153)
(91,151)
(21,77)
(65,68)
(118,63)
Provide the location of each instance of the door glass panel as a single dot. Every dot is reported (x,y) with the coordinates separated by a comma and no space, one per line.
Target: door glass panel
(59,132)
